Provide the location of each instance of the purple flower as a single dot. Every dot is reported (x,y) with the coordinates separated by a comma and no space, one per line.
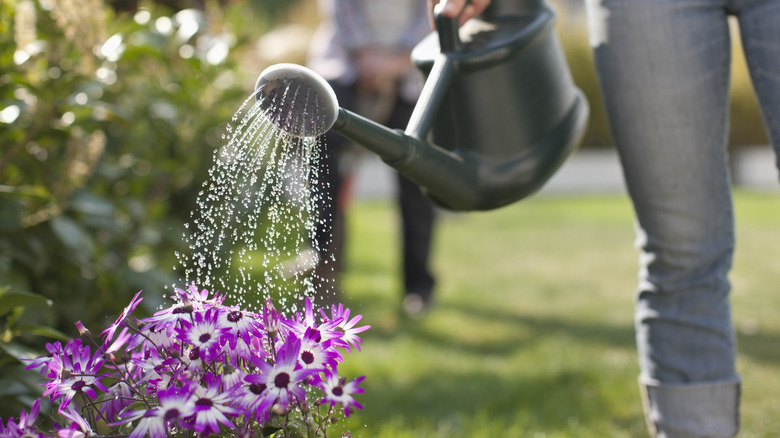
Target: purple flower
(189,301)
(198,367)
(175,405)
(79,426)
(119,396)
(247,398)
(338,390)
(272,321)
(317,355)
(167,319)
(211,407)
(204,334)
(73,372)
(300,325)
(26,425)
(152,339)
(242,324)
(341,314)
(83,331)
(282,382)
(199,298)
(121,340)
(232,376)
(108,333)
(41,363)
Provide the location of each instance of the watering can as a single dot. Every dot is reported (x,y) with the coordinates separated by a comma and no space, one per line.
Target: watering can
(497,116)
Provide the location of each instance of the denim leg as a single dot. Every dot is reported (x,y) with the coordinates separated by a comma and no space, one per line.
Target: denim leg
(664,71)
(759,23)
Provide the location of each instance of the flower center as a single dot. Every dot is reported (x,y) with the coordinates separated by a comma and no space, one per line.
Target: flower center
(204,338)
(257,388)
(282,380)
(338,391)
(171,414)
(77,385)
(205,402)
(194,354)
(307,357)
(235,316)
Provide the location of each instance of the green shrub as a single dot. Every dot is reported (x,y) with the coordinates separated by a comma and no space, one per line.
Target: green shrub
(108,124)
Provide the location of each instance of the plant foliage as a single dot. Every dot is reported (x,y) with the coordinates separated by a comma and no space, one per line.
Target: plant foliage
(108,123)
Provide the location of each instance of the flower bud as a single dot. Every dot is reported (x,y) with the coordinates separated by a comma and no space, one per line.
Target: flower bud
(83,331)
(279,410)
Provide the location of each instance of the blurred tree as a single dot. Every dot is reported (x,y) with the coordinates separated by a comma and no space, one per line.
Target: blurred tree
(268,8)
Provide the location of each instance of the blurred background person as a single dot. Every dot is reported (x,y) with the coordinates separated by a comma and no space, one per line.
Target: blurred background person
(362,48)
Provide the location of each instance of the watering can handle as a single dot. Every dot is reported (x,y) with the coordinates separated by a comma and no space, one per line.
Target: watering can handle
(449,40)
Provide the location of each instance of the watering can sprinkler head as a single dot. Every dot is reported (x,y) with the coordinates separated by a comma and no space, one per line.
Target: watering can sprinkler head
(297,100)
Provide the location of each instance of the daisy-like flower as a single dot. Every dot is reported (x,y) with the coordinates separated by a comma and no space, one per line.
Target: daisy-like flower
(167,320)
(197,368)
(108,333)
(247,398)
(199,297)
(121,340)
(242,324)
(282,382)
(41,363)
(317,355)
(175,405)
(25,428)
(79,426)
(204,334)
(212,407)
(74,372)
(231,376)
(338,391)
(119,396)
(188,302)
(257,346)
(349,337)
(300,324)
(152,339)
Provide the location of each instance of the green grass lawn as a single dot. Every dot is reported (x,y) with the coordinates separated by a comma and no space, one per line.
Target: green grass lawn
(532,333)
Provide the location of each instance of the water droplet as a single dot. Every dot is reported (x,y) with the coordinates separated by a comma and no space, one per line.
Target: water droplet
(256,212)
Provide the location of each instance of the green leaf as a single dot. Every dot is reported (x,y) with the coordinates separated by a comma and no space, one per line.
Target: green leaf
(39,330)
(26,191)
(73,237)
(12,299)
(20,351)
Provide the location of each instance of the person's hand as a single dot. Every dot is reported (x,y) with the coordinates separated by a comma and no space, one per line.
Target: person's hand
(376,67)
(451,8)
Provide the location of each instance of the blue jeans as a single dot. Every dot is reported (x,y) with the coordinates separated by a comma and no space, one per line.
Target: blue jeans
(664,72)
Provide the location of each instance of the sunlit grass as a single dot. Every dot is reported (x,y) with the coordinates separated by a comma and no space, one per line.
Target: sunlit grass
(532,332)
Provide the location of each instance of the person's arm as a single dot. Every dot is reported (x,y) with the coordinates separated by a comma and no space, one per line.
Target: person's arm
(451,8)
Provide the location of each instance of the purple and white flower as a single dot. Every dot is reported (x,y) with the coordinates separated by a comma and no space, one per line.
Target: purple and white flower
(198,366)
(338,391)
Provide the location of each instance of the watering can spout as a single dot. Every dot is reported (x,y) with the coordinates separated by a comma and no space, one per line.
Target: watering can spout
(497,116)
(302,104)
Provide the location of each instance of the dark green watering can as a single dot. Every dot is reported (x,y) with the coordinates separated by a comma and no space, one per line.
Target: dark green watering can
(498,115)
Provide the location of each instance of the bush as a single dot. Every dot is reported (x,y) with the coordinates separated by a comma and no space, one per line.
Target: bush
(108,123)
